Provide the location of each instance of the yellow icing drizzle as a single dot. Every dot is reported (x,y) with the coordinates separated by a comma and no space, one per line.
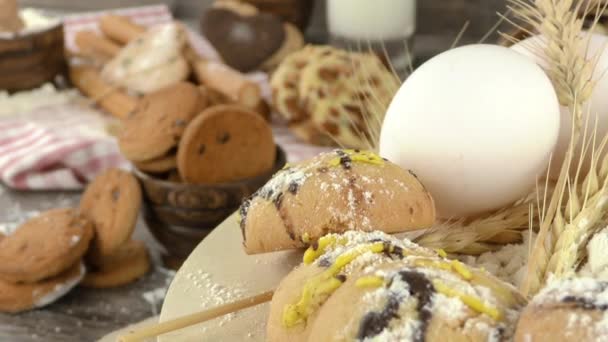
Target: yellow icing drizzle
(472,302)
(306,238)
(369,281)
(357,156)
(461,269)
(314,252)
(321,286)
(451,266)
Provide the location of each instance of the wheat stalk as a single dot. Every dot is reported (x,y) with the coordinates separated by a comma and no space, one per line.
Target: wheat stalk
(480,235)
(564,52)
(585,210)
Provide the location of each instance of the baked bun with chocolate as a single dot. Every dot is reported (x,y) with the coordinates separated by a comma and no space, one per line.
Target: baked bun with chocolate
(332,193)
(566,310)
(326,266)
(380,288)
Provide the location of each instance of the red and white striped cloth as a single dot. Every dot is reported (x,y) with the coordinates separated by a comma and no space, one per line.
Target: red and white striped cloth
(58,147)
(65,146)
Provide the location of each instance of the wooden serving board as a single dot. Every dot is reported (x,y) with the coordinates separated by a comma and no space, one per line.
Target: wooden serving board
(217,272)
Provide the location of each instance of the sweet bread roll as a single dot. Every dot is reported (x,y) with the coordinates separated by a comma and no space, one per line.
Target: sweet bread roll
(381,295)
(332,193)
(568,310)
(327,264)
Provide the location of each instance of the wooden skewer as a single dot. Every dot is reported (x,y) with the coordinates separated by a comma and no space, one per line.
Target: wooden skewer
(196,318)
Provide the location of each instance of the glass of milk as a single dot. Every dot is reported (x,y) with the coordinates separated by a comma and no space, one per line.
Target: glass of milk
(385,26)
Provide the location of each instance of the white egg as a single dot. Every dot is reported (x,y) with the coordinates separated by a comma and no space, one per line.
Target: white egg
(595,109)
(476,124)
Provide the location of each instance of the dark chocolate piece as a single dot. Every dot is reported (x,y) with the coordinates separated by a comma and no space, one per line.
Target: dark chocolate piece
(421,288)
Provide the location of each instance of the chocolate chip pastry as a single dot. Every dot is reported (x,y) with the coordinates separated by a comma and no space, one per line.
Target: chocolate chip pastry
(370,286)
(332,193)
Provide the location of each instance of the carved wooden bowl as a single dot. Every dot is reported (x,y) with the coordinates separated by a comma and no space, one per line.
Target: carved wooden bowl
(297,12)
(30,59)
(180,215)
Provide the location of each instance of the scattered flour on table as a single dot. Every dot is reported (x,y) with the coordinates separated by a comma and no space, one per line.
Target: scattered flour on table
(508,263)
(26,101)
(156,296)
(15,218)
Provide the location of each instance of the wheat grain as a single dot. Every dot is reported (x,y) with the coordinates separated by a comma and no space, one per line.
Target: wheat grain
(482,234)
(566,64)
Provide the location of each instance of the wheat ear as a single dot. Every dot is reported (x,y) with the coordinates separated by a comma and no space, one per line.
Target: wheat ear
(480,235)
(570,72)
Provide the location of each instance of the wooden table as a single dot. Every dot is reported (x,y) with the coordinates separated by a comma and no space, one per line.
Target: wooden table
(84,314)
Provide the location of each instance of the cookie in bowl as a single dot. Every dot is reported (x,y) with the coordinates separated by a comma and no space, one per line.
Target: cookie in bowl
(332,193)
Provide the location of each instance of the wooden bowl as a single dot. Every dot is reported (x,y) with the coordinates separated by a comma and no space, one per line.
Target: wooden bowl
(180,215)
(297,12)
(31,58)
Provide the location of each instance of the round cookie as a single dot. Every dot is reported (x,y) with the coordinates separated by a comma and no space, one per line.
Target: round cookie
(45,246)
(158,165)
(224,144)
(21,297)
(566,310)
(294,41)
(130,249)
(122,273)
(332,193)
(159,121)
(112,202)
(286,97)
(346,93)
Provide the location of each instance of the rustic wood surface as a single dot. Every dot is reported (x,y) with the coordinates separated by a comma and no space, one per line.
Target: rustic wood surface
(84,314)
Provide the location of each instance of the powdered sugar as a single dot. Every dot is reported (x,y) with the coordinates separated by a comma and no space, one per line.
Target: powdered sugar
(60,290)
(74,240)
(451,310)
(408,326)
(215,294)
(281,182)
(449,307)
(585,289)
(355,238)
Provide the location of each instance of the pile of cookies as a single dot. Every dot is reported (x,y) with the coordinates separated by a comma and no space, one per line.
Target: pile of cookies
(124,62)
(247,39)
(181,133)
(46,256)
(330,96)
